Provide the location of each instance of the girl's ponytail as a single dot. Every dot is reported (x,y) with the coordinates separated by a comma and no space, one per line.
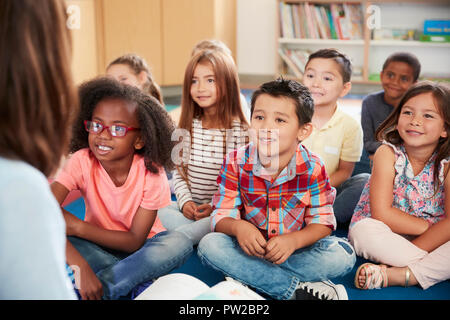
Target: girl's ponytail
(153,89)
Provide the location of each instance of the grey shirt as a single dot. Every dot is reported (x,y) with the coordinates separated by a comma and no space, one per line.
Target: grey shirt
(374,111)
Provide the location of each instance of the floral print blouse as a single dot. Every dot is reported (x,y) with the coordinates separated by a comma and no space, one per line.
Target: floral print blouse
(412,194)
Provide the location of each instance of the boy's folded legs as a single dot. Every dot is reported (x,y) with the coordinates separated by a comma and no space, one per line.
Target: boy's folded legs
(329,257)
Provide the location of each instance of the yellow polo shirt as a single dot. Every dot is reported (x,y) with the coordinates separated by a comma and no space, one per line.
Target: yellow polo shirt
(340,138)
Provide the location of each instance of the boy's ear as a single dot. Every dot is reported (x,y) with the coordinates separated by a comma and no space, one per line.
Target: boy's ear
(139,143)
(304,131)
(347,88)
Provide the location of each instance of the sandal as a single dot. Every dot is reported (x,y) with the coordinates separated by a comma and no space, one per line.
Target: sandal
(376,276)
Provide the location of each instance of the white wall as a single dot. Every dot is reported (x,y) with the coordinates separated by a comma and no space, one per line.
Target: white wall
(256,36)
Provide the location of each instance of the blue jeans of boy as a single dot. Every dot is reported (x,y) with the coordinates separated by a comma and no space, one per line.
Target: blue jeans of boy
(328,258)
(120,272)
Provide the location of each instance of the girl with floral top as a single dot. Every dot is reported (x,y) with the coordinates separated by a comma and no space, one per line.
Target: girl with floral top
(401,220)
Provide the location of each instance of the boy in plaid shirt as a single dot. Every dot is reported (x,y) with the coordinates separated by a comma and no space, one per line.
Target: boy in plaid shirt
(273,211)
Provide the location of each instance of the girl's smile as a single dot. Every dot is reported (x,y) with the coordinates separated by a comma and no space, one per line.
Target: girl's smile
(420,123)
(103,150)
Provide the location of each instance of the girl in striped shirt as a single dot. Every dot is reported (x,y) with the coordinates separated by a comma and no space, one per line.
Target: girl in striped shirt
(211,125)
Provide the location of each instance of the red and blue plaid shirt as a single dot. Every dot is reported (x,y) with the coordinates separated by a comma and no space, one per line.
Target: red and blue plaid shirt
(300,194)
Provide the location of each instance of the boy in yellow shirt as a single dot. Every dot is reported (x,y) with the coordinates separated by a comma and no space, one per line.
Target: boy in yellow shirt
(337,137)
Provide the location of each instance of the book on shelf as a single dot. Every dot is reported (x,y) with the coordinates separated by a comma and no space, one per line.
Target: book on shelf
(354,16)
(436,27)
(395,34)
(286,22)
(311,16)
(295,60)
(180,286)
(336,15)
(296,21)
(433,38)
(290,63)
(321,21)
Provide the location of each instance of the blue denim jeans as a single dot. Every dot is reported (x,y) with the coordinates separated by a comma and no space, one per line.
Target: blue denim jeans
(347,197)
(329,257)
(120,272)
(173,219)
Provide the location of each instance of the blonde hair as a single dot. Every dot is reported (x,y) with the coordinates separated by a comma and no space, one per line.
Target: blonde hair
(137,65)
(211,44)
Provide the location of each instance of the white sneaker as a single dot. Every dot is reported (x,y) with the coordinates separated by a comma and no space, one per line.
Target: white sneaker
(322,290)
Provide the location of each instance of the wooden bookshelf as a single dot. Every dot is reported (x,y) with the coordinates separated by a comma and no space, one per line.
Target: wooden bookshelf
(364,52)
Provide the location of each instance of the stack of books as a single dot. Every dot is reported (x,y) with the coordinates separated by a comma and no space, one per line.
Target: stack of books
(326,21)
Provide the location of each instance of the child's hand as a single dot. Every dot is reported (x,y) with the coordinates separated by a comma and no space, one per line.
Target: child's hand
(90,287)
(202,211)
(189,210)
(73,224)
(279,248)
(250,239)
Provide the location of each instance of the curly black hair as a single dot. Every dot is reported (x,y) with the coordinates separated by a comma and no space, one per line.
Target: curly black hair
(155,123)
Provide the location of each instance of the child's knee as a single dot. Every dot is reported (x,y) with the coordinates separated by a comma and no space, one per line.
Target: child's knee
(211,244)
(175,240)
(366,234)
(342,253)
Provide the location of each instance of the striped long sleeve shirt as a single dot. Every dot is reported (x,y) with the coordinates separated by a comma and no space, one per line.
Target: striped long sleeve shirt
(206,155)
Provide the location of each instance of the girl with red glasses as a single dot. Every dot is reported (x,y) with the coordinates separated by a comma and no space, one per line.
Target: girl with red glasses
(121,145)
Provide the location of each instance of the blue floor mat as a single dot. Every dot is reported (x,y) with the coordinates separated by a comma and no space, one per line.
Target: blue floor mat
(194,267)
(170,107)
(440,291)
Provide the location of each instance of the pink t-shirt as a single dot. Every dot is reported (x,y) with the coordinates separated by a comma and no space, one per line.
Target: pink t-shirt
(111,207)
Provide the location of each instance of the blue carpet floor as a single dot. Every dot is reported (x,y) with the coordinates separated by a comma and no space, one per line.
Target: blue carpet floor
(194,267)
(170,107)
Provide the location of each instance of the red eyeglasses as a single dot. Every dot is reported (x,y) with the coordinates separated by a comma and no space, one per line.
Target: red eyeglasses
(115,130)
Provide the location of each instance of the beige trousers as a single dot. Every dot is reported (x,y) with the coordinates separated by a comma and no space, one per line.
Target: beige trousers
(375,241)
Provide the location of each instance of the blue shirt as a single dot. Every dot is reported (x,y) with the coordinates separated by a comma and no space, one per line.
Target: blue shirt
(32,236)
